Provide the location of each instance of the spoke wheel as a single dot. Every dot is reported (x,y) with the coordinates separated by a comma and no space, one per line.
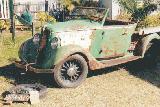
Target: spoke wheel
(71,72)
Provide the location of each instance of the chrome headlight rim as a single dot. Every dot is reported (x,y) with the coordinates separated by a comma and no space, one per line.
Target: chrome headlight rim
(54,42)
(36,38)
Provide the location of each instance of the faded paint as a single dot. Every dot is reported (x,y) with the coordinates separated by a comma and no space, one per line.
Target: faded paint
(112,41)
(101,46)
(72,25)
(97,41)
(102,42)
(85,37)
(81,38)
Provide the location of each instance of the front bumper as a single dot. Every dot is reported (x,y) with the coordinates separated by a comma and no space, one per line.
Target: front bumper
(29,67)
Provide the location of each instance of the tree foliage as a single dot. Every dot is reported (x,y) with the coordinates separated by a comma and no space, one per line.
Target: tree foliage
(151,21)
(69,4)
(44,17)
(4,24)
(138,13)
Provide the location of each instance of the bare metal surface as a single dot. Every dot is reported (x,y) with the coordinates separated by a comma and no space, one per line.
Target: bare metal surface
(22,93)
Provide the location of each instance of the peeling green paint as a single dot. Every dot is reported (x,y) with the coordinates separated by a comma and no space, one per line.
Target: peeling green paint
(87,37)
(111,41)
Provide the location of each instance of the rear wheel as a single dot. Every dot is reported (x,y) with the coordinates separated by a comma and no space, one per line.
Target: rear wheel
(151,56)
(71,72)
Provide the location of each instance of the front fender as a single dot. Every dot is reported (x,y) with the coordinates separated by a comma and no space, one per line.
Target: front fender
(146,40)
(61,53)
(66,51)
(28,51)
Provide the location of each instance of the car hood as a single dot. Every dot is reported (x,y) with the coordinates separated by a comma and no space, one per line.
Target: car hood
(72,25)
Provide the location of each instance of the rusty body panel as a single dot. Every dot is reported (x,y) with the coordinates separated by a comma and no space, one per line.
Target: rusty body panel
(112,41)
(99,42)
(93,42)
(108,63)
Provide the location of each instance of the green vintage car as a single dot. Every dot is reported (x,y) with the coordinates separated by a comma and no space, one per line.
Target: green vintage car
(73,48)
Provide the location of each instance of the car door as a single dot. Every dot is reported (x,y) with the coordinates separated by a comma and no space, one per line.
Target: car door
(111,41)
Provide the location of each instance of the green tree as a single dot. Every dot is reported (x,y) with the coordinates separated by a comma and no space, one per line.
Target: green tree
(69,3)
(138,13)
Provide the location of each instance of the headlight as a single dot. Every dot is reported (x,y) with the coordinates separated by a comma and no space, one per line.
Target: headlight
(36,38)
(54,43)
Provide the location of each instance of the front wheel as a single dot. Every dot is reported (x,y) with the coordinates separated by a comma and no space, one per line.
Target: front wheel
(71,72)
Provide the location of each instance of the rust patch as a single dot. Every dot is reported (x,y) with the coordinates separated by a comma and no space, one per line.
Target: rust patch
(106,50)
(132,46)
(43,42)
(108,63)
(93,65)
(92,36)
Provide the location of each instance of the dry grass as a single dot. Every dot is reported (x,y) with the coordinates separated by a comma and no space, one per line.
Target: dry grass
(125,85)
(9,50)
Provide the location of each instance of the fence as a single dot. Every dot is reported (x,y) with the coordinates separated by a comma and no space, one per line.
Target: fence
(20,5)
(4,9)
(19,8)
(34,6)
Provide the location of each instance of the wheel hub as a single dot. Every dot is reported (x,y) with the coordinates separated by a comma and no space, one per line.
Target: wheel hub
(71,71)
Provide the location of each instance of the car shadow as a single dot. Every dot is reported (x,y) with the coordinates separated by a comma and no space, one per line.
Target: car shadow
(19,76)
(148,74)
(151,75)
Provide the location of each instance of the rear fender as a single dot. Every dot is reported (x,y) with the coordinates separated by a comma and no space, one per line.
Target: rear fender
(146,40)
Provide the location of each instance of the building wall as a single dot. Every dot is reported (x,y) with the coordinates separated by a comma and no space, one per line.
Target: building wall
(113,6)
(107,4)
(116,9)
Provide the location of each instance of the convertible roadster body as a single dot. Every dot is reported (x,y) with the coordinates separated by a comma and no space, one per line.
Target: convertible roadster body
(69,49)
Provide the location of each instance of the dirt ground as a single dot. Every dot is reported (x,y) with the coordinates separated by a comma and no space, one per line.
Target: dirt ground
(118,86)
(127,85)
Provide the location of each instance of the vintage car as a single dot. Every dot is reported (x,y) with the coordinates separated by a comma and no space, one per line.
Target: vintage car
(73,48)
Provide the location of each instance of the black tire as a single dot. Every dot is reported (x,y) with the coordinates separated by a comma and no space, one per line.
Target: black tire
(71,72)
(151,56)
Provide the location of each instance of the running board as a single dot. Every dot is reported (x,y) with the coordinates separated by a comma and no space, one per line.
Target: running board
(117,61)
